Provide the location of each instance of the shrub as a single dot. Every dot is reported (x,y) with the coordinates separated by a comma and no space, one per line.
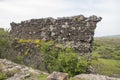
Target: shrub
(71,63)
(5,41)
(62,59)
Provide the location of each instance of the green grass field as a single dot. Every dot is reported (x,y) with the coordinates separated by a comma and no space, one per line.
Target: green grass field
(106,55)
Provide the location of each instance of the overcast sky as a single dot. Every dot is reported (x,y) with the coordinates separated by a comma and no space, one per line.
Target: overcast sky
(20,10)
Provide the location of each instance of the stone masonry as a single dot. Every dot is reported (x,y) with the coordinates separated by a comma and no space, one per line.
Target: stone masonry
(78,31)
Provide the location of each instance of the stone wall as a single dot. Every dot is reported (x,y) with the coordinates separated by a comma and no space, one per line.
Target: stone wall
(78,31)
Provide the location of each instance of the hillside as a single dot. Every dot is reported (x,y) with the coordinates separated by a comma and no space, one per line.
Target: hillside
(108,40)
(110,36)
(106,54)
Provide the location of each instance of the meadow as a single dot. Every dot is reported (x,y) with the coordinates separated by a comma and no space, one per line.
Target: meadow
(106,55)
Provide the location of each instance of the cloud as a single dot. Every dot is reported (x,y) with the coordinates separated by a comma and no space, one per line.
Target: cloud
(19,10)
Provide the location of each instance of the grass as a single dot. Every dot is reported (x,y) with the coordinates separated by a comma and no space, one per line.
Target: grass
(42,77)
(38,77)
(106,55)
(107,47)
(109,41)
(106,66)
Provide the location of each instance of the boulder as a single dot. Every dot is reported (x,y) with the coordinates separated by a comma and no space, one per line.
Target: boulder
(58,76)
(93,77)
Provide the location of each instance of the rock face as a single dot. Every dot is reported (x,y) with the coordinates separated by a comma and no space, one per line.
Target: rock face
(58,76)
(94,77)
(27,54)
(18,72)
(76,30)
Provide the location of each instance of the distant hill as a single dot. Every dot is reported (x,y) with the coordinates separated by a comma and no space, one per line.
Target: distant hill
(110,36)
(113,40)
(116,35)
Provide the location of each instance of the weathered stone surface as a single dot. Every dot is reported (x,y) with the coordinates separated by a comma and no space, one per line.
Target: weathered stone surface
(18,72)
(58,76)
(94,77)
(76,29)
(20,76)
(29,54)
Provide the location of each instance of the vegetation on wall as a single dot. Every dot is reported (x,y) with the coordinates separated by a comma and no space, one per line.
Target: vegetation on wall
(63,59)
(57,57)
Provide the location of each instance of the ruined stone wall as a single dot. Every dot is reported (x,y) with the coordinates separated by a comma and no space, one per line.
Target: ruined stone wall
(78,31)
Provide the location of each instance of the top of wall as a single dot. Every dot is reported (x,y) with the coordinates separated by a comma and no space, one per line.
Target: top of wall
(81,17)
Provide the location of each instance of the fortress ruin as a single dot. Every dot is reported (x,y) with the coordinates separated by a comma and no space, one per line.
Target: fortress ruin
(78,31)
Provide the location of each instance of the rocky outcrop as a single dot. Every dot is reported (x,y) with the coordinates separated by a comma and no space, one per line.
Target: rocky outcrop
(64,76)
(78,31)
(19,72)
(93,77)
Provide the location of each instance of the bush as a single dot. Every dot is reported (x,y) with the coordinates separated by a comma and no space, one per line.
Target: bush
(71,63)
(62,59)
(4,43)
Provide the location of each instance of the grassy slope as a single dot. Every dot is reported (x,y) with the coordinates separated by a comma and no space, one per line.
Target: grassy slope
(110,41)
(110,47)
